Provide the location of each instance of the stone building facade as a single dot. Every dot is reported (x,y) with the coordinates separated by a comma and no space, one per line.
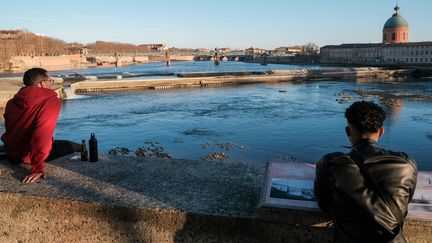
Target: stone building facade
(416,53)
(411,53)
(352,54)
(252,50)
(394,49)
(289,50)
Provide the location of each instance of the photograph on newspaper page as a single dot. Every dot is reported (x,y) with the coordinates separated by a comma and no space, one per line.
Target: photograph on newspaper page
(421,203)
(289,185)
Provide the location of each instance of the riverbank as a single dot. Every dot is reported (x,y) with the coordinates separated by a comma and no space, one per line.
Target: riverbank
(19,64)
(130,199)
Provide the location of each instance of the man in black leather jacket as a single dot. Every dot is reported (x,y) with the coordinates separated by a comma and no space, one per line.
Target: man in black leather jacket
(367,190)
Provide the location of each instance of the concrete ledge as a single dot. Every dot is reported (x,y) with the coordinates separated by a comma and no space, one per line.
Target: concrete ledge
(415,230)
(37,219)
(227,73)
(215,79)
(10,86)
(127,199)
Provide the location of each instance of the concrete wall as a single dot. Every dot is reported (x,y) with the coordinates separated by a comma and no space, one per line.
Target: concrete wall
(162,58)
(141,59)
(182,58)
(48,62)
(39,219)
(36,219)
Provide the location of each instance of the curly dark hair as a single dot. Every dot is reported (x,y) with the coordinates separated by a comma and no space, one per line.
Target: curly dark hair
(365,116)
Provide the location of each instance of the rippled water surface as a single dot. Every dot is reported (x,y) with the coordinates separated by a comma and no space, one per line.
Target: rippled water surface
(304,121)
(298,121)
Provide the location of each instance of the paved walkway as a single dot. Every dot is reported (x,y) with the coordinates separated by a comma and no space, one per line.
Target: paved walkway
(208,187)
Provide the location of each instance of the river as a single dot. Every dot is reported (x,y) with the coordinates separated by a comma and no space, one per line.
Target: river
(298,121)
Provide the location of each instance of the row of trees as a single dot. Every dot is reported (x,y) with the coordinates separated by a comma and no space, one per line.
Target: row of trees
(25,43)
(310,49)
(104,47)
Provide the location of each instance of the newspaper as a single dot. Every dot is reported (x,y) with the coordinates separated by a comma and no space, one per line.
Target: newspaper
(291,185)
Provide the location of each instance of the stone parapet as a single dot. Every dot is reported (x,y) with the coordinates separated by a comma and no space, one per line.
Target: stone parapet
(39,219)
(127,199)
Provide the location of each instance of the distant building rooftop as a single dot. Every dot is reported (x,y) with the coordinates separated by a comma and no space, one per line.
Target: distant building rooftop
(368,45)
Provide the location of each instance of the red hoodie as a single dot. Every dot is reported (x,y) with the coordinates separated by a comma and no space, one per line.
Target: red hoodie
(30,119)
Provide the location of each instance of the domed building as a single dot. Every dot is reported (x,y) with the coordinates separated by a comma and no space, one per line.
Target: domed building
(395,29)
(394,50)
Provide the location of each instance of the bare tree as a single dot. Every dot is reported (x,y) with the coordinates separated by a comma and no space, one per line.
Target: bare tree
(111,48)
(310,49)
(5,54)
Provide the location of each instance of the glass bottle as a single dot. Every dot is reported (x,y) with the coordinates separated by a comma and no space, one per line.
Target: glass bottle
(84,154)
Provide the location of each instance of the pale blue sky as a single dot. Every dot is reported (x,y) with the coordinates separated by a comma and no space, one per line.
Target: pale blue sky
(216,23)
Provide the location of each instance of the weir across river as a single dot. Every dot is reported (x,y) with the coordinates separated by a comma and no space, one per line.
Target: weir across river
(214,79)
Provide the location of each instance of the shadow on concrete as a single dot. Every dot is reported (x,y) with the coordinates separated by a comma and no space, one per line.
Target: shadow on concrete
(166,200)
(207,228)
(122,219)
(17,171)
(127,185)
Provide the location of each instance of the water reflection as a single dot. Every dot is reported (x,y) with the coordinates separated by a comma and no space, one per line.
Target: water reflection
(394,107)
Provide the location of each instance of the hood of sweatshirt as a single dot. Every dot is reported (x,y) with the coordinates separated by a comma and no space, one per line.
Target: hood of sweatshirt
(30,96)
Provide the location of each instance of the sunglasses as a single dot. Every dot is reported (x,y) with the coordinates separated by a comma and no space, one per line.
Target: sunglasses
(50,81)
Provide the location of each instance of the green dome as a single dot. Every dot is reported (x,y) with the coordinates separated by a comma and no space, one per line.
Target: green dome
(396,21)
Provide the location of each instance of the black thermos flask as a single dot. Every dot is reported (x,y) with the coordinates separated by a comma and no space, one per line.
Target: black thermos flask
(93,148)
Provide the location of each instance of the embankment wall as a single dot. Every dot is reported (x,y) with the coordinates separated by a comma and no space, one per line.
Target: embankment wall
(39,219)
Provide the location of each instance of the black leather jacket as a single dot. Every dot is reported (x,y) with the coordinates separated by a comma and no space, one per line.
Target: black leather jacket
(359,214)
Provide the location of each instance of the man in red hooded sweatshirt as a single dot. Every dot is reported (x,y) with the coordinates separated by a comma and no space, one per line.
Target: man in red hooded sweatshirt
(30,119)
